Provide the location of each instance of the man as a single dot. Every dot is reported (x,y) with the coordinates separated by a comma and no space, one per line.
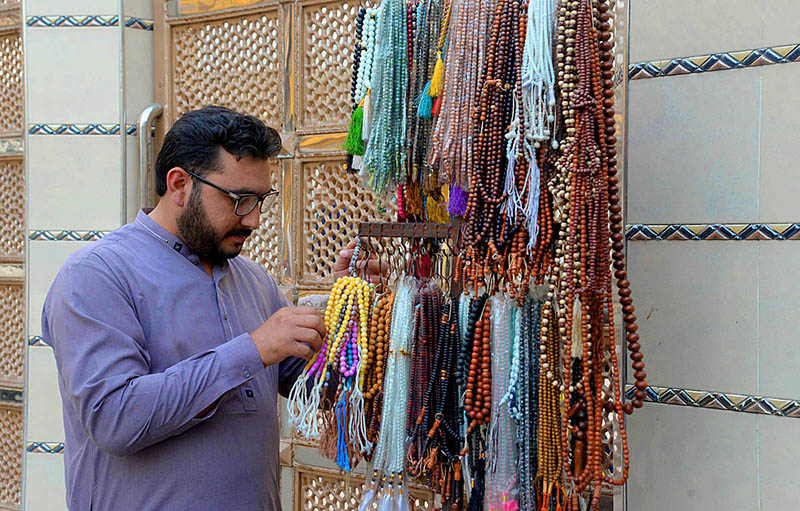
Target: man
(171,348)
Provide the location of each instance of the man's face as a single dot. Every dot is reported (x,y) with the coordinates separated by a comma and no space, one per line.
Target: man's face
(208,223)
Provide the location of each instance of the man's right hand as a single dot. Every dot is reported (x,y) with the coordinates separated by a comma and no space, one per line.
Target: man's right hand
(291,331)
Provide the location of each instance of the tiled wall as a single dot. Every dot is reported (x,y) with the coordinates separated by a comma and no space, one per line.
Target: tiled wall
(712,185)
(82,104)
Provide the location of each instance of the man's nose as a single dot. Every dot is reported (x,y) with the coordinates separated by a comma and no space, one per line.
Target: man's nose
(252,219)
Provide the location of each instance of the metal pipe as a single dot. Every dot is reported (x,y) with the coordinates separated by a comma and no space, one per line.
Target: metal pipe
(143,130)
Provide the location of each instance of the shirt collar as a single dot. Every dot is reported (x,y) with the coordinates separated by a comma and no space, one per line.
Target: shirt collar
(166,237)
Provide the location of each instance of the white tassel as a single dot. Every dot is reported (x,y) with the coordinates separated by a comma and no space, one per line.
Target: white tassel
(513,202)
(366,501)
(401,501)
(531,211)
(366,123)
(387,502)
(357,429)
(297,403)
(308,427)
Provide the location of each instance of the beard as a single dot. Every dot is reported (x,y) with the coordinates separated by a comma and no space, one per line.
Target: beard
(198,233)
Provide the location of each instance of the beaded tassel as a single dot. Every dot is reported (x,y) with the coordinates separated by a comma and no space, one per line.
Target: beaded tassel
(501,477)
(389,452)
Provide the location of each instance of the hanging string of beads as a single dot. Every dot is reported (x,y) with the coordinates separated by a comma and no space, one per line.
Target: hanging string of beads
(384,157)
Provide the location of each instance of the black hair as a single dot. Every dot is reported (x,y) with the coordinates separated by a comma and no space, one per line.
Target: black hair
(194,140)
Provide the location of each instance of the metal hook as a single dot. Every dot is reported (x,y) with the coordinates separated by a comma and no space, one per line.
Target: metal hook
(367,253)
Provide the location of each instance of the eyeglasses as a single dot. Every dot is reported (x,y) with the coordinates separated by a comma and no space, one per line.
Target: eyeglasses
(244,202)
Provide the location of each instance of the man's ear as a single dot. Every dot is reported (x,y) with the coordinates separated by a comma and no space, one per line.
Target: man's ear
(179,186)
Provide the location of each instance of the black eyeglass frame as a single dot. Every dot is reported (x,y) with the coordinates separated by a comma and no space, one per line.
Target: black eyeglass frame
(237,197)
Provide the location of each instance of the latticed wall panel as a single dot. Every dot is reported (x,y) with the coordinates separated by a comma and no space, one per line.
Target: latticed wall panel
(326,41)
(12,328)
(10,456)
(333,202)
(11,84)
(324,490)
(264,245)
(234,62)
(8,17)
(196,6)
(12,209)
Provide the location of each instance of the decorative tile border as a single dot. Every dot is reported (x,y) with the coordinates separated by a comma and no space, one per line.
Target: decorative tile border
(143,24)
(45,447)
(66,235)
(88,21)
(79,129)
(11,396)
(720,401)
(37,340)
(697,232)
(12,271)
(715,62)
(12,147)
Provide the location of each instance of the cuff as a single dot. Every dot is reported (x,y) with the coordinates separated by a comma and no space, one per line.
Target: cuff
(239,359)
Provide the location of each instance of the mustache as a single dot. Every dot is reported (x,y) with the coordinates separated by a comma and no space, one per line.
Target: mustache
(241,232)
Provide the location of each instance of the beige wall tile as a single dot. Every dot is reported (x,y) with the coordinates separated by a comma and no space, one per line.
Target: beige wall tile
(72,7)
(683,28)
(78,83)
(780,151)
(46,258)
(139,8)
(44,421)
(138,72)
(74,182)
(690,459)
(777,462)
(693,148)
(44,483)
(696,308)
(779,322)
(781,22)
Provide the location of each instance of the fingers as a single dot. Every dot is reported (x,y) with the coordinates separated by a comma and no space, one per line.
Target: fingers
(375,267)
(308,335)
(302,310)
(303,351)
(307,318)
(313,322)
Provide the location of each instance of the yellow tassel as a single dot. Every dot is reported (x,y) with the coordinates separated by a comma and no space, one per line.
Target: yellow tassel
(437,212)
(436,81)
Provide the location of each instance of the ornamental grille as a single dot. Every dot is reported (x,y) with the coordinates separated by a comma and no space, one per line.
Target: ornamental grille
(231,62)
(12,325)
(264,245)
(12,204)
(11,84)
(10,456)
(333,204)
(327,40)
(322,490)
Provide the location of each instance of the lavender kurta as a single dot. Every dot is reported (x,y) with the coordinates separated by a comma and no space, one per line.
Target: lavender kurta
(144,340)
